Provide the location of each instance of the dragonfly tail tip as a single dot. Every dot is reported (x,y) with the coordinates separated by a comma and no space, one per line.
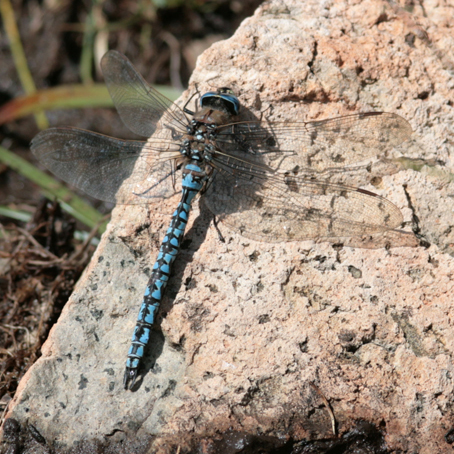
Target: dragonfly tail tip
(129,378)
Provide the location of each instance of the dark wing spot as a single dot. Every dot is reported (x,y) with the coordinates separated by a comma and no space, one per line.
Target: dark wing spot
(364,191)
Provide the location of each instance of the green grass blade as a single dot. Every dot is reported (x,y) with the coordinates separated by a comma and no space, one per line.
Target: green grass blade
(52,189)
(17,215)
(65,97)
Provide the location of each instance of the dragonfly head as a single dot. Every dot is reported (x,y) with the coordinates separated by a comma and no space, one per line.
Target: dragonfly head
(223,99)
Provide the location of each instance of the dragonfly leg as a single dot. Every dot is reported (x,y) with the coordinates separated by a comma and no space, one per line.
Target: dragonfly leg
(185,108)
(220,236)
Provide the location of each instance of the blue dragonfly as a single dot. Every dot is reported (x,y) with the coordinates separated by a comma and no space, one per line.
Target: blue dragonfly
(280,181)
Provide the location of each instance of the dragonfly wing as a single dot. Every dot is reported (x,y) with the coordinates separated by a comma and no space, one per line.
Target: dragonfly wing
(266,205)
(118,171)
(317,145)
(139,105)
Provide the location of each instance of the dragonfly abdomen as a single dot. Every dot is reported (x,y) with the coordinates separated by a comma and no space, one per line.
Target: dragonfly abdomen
(193,181)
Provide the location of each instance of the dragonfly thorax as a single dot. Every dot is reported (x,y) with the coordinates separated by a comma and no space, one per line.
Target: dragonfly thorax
(216,109)
(198,143)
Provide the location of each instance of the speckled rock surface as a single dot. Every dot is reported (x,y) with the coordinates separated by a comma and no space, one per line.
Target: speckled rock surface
(247,326)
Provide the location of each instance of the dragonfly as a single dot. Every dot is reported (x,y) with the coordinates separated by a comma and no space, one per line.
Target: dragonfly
(269,181)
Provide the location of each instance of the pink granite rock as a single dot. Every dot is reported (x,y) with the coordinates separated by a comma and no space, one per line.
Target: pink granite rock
(248,326)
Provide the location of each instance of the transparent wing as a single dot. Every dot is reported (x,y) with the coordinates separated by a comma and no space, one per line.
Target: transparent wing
(264,204)
(118,171)
(316,145)
(139,105)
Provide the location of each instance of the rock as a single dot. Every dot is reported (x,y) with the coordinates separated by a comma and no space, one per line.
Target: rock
(248,326)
